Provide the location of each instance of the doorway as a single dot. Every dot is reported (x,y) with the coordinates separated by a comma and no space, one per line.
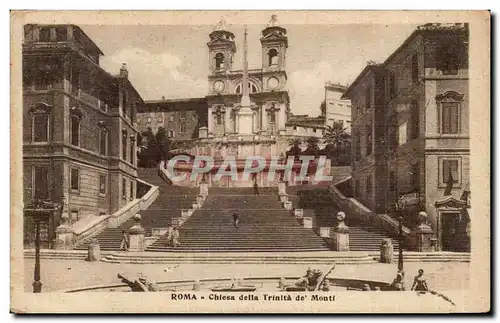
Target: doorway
(449,229)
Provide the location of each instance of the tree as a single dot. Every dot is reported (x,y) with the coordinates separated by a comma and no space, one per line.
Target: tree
(322,108)
(157,147)
(337,135)
(295,149)
(312,147)
(338,143)
(162,144)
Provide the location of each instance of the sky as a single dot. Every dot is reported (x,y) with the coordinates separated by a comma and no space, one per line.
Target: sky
(172,60)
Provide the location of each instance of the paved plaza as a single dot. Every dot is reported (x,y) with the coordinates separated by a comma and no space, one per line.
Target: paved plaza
(69,274)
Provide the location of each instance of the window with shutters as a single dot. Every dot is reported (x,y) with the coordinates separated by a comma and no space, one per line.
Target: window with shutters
(41,182)
(44,34)
(449,114)
(392,85)
(102,184)
(43,80)
(61,33)
(415,119)
(40,127)
(449,117)
(414,69)
(369,187)
(369,141)
(448,59)
(450,170)
(124,145)
(75,179)
(103,141)
(75,130)
(132,145)
(368,97)
(124,103)
(124,189)
(75,80)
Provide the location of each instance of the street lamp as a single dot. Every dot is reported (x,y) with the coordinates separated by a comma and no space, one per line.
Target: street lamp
(37,284)
(40,211)
(399,209)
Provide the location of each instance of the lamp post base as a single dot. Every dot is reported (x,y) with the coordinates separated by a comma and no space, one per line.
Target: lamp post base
(37,286)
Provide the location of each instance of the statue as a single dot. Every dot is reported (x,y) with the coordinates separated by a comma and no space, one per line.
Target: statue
(310,280)
(141,284)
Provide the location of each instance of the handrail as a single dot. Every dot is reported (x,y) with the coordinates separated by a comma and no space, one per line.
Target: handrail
(118,217)
(382,219)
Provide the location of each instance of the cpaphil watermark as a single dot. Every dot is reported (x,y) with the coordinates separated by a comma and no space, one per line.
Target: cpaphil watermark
(233,168)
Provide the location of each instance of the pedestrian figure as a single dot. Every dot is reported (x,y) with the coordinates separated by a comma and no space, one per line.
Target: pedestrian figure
(256,188)
(419,283)
(175,237)
(236,220)
(398,282)
(170,234)
(124,245)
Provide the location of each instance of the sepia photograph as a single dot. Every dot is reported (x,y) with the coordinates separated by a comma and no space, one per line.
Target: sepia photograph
(250,162)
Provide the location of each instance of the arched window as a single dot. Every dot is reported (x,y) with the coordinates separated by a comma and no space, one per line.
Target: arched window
(103,138)
(449,112)
(369,142)
(273,57)
(124,144)
(252,88)
(219,61)
(40,113)
(76,117)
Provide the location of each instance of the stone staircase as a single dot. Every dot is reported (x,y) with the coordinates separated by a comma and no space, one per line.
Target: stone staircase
(320,257)
(168,205)
(264,225)
(318,205)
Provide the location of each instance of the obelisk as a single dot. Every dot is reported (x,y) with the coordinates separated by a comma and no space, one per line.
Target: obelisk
(245,114)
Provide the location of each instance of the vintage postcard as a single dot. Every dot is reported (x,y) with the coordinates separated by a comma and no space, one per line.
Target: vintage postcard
(250,162)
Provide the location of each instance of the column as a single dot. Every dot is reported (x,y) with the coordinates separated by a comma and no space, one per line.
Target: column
(227,120)
(282,117)
(254,121)
(264,118)
(210,118)
(237,122)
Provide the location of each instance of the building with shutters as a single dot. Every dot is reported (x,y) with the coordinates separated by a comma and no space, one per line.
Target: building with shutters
(410,130)
(79,128)
(336,108)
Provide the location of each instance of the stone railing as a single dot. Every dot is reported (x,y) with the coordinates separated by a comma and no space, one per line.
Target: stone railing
(162,172)
(354,208)
(149,197)
(93,225)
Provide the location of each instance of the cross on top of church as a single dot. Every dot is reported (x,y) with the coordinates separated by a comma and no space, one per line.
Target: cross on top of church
(273,22)
(221,25)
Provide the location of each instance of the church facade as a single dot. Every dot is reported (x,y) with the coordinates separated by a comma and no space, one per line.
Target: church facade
(247,111)
(266,86)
